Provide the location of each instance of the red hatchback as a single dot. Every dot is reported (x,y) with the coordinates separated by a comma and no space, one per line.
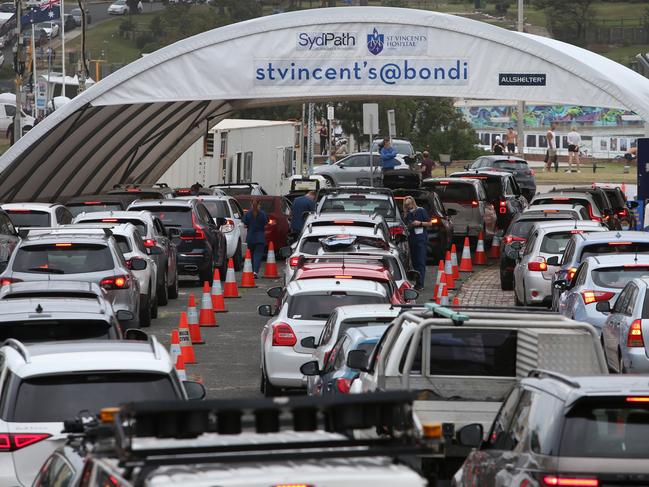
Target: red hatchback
(278,210)
(366,272)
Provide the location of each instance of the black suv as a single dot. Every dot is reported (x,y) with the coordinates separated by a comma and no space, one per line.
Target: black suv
(610,217)
(618,201)
(503,193)
(515,165)
(201,246)
(8,239)
(440,234)
(557,430)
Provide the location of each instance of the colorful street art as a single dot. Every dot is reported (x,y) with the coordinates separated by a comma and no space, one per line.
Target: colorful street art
(537,116)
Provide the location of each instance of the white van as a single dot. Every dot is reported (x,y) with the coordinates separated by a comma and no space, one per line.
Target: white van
(8,111)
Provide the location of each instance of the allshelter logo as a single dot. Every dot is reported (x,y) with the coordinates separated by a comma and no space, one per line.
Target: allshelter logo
(375,42)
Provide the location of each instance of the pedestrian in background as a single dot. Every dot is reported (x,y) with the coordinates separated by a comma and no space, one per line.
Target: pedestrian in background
(511,140)
(427,166)
(574,143)
(341,150)
(551,153)
(324,134)
(417,220)
(255,221)
(498,148)
(388,155)
(303,204)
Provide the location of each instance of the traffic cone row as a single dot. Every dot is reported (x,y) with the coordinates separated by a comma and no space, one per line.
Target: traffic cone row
(185,340)
(466,264)
(448,271)
(438,277)
(176,355)
(207,317)
(193,322)
(230,289)
(454,266)
(218,303)
(248,276)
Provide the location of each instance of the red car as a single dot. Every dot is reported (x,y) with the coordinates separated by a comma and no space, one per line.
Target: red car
(278,210)
(366,272)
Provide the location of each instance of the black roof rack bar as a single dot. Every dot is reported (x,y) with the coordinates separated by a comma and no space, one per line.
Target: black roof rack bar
(543,373)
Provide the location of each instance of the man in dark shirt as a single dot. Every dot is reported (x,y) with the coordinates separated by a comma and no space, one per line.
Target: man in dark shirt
(301,205)
(427,166)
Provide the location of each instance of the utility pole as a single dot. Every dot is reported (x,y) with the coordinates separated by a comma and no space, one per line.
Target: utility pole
(19,68)
(520,116)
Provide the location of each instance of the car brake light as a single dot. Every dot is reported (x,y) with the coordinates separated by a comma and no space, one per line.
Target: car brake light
(8,280)
(397,230)
(634,338)
(624,212)
(570,481)
(537,265)
(283,335)
(294,261)
(149,242)
(116,282)
(16,441)
(444,183)
(620,243)
(326,357)
(575,232)
(183,191)
(513,238)
(199,233)
(503,207)
(474,203)
(434,221)
(590,297)
(344,277)
(18,211)
(343,385)
(292,485)
(571,273)
(557,198)
(343,222)
(132,190)
(637,399)
(272,221)
(89,203)
(109,220)
(63,245)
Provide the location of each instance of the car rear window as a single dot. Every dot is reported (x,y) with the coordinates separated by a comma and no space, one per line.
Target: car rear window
(617,277)
(319,306)
(355,323)
(217,209)
(63,258)
(359,204)
(29,218)
(454,192)
(562,200)
(473,352)
(172,216)
(78,208)
(142,195)
(33,331)
(614,248)
(494,188)
(508,165)
(237,191)
(555,243)
(521,228)
(314,245)
(606,428)
(139,224)
(67,394)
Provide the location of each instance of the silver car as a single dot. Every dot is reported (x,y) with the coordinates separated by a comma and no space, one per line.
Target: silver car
(569,197)
(598,278)
(533,274)
(354,169)
(37,214)
(66,254)
(625,329)
(565,212)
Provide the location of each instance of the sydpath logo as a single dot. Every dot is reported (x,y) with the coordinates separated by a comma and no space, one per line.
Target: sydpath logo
(326,41)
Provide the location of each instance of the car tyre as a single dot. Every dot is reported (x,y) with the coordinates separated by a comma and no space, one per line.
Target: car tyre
(206,274)
(172,291)
(163,292)
(329,182)
(267,388)
(237,258)
(145,311)
(506,283)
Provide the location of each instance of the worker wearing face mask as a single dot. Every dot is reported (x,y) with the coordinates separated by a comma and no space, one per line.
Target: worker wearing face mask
(417,220)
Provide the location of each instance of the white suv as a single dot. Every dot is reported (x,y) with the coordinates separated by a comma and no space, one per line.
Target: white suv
(37,214)
(42,385)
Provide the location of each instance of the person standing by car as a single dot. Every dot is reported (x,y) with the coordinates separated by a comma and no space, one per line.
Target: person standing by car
(511,140)
(255,221)
(388,155)
(417,220)
(498,148)
(551,153)
(427,166)
(303,204)
(574,143)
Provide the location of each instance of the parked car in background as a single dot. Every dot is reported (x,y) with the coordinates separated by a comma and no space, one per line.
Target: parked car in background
(118,7)
(518,167)
(51,29)
(144,191)
(77,16)
(278,210)
(99,202)
(355,169)
(37,214)
(240,189)
(402,146)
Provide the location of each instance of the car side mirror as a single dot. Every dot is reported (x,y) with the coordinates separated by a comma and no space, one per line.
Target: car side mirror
(174,232)
(466,167)
(603,306)
(220,221)
(137,264)
(410,294)
(125,315)
(265,310)
(285,252)
(195,390)
(341,165)
(413,275)
(451,212)
(561,284)
(470,435)
(310,368)
(308,342)
(136,334)
(275,292)
(554,260)
(357,359)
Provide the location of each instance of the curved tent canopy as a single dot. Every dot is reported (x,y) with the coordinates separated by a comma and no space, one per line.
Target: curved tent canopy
(133,125)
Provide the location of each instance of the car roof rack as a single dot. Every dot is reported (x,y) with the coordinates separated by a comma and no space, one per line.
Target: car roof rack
(548,374)
(18,347)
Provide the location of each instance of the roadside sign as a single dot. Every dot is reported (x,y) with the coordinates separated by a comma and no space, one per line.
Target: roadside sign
(330,112)
(370,118)
(392,124)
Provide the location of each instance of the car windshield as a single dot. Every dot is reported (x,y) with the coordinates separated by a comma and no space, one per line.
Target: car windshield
(618,277)
(172,216)
(561,200)
(508,165)
(78,208)
(359,204)
(217,209)
(614,248)
(555,243)
(29,218)
(319,306)
(454,192)
(32,331)
(63,258)
(66,395)
(606,428)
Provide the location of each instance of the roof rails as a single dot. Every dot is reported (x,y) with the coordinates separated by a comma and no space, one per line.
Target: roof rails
(548,374)
(18,347)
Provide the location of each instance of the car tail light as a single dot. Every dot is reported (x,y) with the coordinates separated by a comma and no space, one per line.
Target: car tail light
(537,265)
(474,203)
(343,385)
(637,399)
(63,245)
(397,230)
(116,282)
(90,203)
(571,273)
(590,297)
(623,213)
(272,221)
(199,234)
(9,280)
(444,183)
(634,338)
(503,207)
(109,220)
(620,243)
(294,261)
(561,480)
(16,441)
(149,242)
(592,215)
(434,221)
(283,335)
(18,211)
(229,225)
(326,357)
(513,238)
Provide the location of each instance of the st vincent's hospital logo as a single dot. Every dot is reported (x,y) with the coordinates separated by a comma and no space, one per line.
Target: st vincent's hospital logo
(375,42)
(398,40)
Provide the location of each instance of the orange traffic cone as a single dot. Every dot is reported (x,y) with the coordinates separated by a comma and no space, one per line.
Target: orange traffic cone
(454,267)
(218,303)
(442,286)
(438,278)
(186,348)
(207,312)
(480,255)
(494,251)
(466,265)
(270,271)
(230,286)
(174,348)
(443,300)
(180,368)
(192,322)
(448,271)
(456,301)
(247,276)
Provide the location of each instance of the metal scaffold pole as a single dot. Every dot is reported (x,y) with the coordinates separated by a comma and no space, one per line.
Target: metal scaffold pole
(309,135)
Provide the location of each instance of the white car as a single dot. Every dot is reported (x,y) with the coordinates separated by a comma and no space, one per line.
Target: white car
(45,384)
(50,28)
(567,212)
(302,311)
(234,230)
(37,214)
(118,7)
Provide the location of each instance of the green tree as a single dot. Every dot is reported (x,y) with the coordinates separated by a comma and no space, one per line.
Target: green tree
(567,20)
(239,10)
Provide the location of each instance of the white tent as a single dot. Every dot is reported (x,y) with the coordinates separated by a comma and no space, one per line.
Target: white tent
(131,126)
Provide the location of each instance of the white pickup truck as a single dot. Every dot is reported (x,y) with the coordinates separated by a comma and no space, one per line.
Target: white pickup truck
(464,362)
